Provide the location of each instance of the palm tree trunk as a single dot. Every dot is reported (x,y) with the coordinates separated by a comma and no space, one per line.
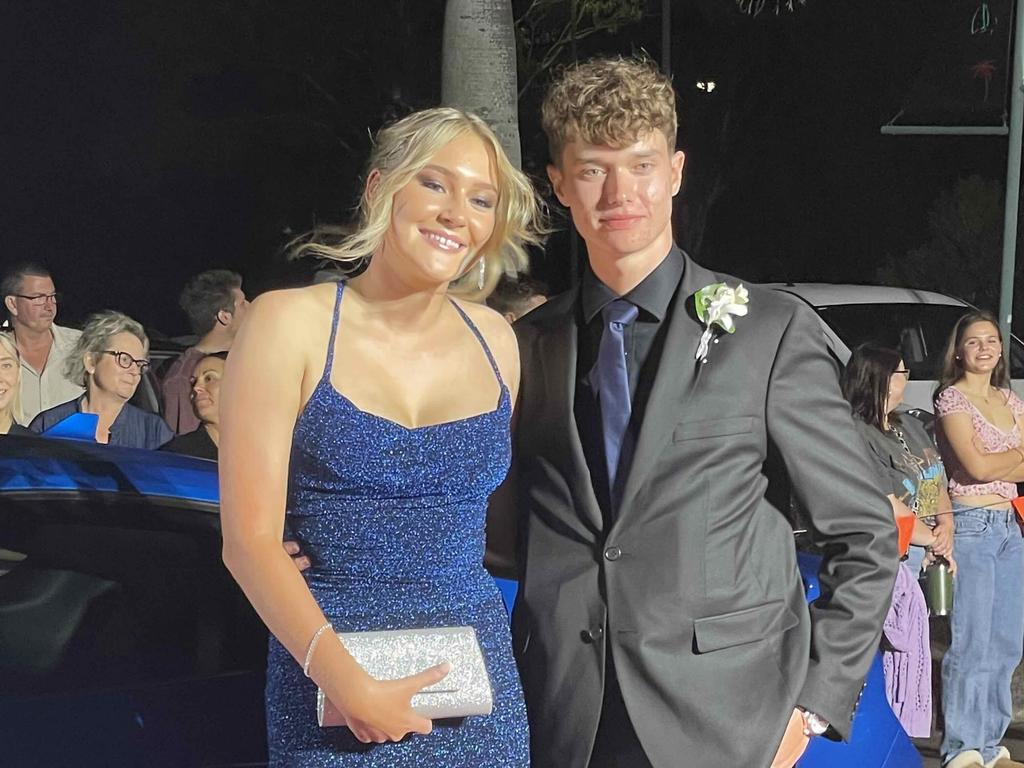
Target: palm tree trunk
(479,66)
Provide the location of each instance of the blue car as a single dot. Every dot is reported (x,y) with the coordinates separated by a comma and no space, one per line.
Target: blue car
(125,642)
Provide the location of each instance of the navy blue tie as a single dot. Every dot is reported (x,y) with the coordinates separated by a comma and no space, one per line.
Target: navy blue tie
(612,383)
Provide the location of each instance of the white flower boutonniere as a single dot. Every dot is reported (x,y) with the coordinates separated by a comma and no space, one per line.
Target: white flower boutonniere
(717,304)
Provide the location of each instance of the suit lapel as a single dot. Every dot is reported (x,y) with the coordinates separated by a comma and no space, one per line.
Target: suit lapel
(675,382)
(558,347)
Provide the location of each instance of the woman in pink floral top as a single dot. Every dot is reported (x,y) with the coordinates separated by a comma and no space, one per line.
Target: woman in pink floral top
(980,425)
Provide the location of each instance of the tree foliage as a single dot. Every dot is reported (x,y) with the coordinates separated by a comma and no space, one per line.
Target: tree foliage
(547,29)
(755,7)
(963,254)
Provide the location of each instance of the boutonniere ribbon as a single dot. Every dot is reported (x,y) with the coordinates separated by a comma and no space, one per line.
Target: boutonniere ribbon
(717,305)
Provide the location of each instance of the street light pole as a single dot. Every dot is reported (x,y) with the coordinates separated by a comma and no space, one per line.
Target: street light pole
(1012,180)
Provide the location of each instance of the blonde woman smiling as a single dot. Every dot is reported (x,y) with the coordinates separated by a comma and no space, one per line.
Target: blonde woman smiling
(10,388)
(375,416)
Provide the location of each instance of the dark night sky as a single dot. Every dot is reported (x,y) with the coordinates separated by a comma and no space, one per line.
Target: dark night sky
(147,143)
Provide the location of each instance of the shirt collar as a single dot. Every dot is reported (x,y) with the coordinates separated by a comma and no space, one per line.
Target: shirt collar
(119,420)
(63,337)
(651,296)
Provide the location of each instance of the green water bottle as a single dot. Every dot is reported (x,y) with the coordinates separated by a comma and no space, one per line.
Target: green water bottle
(937,585)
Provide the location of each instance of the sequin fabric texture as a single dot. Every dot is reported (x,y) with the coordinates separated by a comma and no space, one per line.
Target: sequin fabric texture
(393,521)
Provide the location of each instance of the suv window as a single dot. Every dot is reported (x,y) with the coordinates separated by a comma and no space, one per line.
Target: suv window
(109,590)
(920,331)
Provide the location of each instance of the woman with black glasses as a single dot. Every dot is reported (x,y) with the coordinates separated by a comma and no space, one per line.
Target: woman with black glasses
(109,360)
(912,474)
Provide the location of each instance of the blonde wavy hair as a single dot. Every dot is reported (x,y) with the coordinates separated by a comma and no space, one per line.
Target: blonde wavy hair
(400,151)
(8,345)
(97,332)
(609,101)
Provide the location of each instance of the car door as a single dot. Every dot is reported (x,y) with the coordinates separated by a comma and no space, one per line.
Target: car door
(123,639)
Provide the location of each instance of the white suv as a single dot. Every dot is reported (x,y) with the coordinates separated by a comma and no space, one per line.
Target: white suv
(916,322)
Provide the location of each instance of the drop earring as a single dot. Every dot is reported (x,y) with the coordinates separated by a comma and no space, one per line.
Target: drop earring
(483,274)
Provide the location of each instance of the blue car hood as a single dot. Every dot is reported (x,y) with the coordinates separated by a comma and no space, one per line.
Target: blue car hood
(42,465)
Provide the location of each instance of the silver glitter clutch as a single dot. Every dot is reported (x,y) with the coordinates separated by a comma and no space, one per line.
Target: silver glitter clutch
(389,655)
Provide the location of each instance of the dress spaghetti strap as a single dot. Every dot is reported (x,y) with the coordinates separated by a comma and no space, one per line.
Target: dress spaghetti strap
(334,332)
(483,343)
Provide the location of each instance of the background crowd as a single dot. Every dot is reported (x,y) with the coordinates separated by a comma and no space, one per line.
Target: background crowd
(49,371)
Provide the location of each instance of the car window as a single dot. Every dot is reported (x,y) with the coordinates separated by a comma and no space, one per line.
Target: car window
(103,590)
(920,331)
(1016,359)
(147,394)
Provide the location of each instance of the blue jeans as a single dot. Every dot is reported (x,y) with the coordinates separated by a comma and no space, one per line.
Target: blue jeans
(987,626)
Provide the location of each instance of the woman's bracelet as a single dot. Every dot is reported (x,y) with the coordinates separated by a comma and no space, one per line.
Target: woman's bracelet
(312,647)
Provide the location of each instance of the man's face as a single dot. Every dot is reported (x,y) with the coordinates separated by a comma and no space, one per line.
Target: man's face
(37,312)
(620,199)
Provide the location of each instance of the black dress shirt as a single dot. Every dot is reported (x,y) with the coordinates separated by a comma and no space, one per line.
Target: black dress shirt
(644,339)
(196,443)
(616,742)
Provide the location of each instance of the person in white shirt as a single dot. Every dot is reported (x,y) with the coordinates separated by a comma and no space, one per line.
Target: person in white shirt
(31,300)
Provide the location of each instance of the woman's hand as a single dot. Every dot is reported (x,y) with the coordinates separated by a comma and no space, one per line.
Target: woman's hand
(943,530)
(381,710)
(951,565)
(930,558)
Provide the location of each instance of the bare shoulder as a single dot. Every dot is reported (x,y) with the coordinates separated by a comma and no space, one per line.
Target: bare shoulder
(498,334)
(294,305)
(287,325)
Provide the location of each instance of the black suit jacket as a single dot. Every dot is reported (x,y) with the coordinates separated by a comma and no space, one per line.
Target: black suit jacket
(694,588)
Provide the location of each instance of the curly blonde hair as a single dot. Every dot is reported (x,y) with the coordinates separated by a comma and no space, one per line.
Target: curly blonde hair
(400,151)
(609,101)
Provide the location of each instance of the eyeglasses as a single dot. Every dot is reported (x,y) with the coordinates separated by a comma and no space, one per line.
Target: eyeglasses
(40,298)
(127,361)
(902,371)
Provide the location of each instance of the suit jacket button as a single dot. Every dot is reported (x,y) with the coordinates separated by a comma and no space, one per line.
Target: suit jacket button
(612,554)
(592,635)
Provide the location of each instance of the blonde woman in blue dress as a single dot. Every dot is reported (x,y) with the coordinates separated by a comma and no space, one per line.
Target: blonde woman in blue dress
(374,414)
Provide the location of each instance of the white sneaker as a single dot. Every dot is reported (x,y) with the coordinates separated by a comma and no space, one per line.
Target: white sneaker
(969,759)
(1003,760)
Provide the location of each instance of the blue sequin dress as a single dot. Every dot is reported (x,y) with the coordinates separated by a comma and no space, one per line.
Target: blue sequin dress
(393,521)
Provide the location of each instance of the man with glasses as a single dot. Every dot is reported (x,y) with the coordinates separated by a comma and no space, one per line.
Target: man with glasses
(31,299)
